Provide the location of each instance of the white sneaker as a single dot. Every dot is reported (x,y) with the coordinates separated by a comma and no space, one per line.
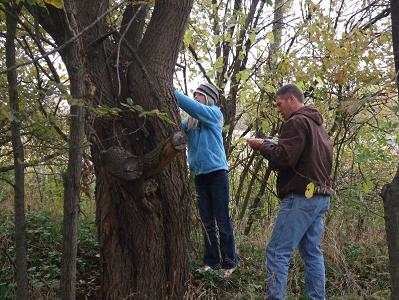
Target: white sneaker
(229,272)
(206,268)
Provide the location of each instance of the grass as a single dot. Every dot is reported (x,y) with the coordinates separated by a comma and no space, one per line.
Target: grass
(356,267)
(356,264)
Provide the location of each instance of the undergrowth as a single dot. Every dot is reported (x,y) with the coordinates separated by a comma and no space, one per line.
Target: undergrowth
(356,265)
(44,247)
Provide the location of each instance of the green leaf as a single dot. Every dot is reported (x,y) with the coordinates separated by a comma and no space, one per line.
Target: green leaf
(301,85)
(156,113)
(367,185)
(244,74)
(104,110)
(269,88)
(216,39)
(129,101)
(268,2)
(134,107)
(226,128)
(166,119)
(270,37)
(56,3)
(187,37)
(218,66)
(264,126)
(149,113)
(242,53)
(242,19)
(138,108)
(252,37)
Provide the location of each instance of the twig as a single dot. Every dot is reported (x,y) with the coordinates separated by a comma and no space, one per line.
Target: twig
(32,163)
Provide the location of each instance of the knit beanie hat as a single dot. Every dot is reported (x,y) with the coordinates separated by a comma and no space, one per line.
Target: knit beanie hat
(210,91)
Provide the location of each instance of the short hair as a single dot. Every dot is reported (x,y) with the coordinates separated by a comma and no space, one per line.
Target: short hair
(290,89)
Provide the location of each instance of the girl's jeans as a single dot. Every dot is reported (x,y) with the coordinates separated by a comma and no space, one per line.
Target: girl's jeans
(213,203)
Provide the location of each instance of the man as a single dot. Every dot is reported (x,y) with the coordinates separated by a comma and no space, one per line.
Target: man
(303,159)
(208,164)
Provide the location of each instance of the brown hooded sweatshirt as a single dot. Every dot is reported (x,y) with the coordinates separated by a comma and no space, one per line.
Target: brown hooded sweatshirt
(303,154)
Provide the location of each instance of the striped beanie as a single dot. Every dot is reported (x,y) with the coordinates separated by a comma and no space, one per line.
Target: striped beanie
(210,92)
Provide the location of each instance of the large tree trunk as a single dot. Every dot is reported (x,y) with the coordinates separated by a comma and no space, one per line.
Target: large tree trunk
(143,224)
(390,192)
(18,151)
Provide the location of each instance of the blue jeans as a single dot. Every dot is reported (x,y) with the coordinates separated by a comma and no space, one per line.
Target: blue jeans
(299,224)
(213,203)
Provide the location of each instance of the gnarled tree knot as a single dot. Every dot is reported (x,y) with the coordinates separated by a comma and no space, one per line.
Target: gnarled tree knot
(127,166)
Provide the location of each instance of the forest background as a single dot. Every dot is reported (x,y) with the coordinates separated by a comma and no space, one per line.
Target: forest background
(338,51)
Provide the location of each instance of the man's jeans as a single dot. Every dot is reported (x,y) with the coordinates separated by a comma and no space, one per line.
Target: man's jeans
(299,224)
(213,203)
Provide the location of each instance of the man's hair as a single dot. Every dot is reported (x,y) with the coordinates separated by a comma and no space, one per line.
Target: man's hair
(290,89)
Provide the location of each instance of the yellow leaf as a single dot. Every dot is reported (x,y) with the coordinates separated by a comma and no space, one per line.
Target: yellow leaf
(56,3)
(309,190)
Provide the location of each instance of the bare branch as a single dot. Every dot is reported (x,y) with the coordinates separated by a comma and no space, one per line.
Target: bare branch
(74,38)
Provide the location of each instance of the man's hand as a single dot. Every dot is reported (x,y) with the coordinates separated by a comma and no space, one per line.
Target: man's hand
(255,143)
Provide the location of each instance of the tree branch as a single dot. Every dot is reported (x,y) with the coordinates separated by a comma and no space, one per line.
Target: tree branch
(34,162)
(69,41)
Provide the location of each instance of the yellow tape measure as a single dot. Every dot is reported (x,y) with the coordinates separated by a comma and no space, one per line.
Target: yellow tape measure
(309,190)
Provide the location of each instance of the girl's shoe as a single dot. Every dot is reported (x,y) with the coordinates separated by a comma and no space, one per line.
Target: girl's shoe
(206,268)
(228,272)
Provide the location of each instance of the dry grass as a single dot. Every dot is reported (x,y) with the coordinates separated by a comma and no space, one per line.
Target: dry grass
(356,265)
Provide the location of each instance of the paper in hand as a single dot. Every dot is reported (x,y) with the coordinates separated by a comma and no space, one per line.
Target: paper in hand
(271,141)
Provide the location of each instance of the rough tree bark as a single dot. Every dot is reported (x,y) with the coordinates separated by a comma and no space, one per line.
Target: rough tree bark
(143,224)
(18,151)
(72,56)
(390,195)
(390,192)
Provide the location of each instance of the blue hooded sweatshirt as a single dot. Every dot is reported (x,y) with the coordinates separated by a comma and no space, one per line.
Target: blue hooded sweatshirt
(205,144)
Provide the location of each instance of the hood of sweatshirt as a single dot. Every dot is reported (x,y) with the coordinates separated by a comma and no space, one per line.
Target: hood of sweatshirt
(310,112)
